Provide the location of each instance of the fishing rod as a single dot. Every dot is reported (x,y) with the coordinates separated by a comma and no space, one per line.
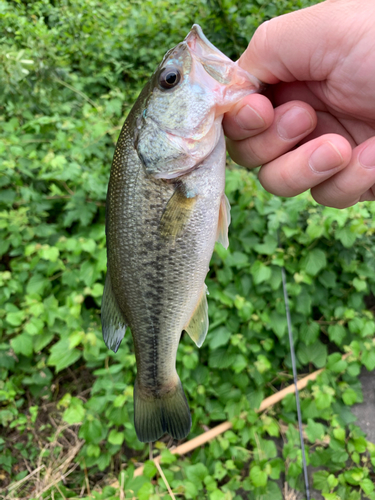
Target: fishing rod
(294,369)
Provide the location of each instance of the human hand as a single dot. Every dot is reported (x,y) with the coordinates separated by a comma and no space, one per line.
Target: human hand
(316,127)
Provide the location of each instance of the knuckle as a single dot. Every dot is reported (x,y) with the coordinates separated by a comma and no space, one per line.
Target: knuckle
(260,39)
(242,153)
(291,183)
(252,158)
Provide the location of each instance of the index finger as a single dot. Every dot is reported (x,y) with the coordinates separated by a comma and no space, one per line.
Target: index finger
(249,117)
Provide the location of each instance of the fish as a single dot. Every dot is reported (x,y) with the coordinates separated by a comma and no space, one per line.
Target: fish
(165,210)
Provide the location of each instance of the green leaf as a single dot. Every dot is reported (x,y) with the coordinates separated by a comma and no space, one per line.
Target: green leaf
(314,430)
(37,284)
(191,489)
(262,364)
(190,361)
(150,469)
(315,353)
(268,247)
(277,467)
(167,457)
(368,359)
(309,332)
(255,397)
(49,253)
(15,318)
(336,333)
(315,261)
(336,363)
(320,480)
(218,337)
(330,496)
(349,396)
(145,491)
(272,492)
(92,430)
(258,476)
(346,236)
(237,259)
(93,450)
(217,495)
(278,323)
(61,356)
(315,230)
(115,437)
(196,473)
(359,285)
(360,444)
(75,412)
(42,340)
(339,434)
(22,344)
(260,272)
(367,486)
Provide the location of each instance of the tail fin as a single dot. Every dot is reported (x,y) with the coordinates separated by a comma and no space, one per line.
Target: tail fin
(154,416)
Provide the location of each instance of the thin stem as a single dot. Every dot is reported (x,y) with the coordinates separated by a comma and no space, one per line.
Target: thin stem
(156,462)
(70,87)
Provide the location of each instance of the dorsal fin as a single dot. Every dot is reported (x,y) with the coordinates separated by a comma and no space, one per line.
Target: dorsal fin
(176,214)
(113,321)
(198,324)
(224,221)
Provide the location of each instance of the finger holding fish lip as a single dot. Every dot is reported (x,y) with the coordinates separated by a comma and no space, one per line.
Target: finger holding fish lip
(251,116)
(292,122)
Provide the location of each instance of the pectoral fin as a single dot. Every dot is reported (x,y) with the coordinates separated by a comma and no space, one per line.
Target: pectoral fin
(224,221)
(113,322)
(198,324)
(176,215)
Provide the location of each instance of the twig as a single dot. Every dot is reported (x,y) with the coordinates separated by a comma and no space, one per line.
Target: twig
(87,481)
(55,481)
(70,87)
(82,489)
(122,497)
(16,485)
(70,191)
(61,493)
(164,479)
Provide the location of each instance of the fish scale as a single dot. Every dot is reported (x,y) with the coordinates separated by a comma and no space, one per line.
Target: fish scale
(162,221)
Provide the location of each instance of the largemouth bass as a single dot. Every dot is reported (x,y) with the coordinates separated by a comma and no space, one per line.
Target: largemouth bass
(165,209)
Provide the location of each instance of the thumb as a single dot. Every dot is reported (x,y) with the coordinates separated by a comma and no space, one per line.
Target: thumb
(301,45)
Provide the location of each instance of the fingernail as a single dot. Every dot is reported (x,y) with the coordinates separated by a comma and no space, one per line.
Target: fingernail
(367,156)
(248,119)
(325,157)
(295,122)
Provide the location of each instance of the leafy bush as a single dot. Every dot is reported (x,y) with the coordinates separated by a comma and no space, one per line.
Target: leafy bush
(70,71)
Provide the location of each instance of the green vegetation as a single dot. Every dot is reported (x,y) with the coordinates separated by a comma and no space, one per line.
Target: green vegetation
(69,73)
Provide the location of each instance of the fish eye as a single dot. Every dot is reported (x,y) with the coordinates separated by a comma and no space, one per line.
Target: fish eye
(169,78)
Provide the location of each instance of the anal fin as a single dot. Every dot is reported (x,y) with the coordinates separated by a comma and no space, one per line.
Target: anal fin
(224,221)
(113,322)
(198,324)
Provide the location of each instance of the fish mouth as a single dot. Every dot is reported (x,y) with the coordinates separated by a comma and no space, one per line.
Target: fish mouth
(196,37)
(218,65)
